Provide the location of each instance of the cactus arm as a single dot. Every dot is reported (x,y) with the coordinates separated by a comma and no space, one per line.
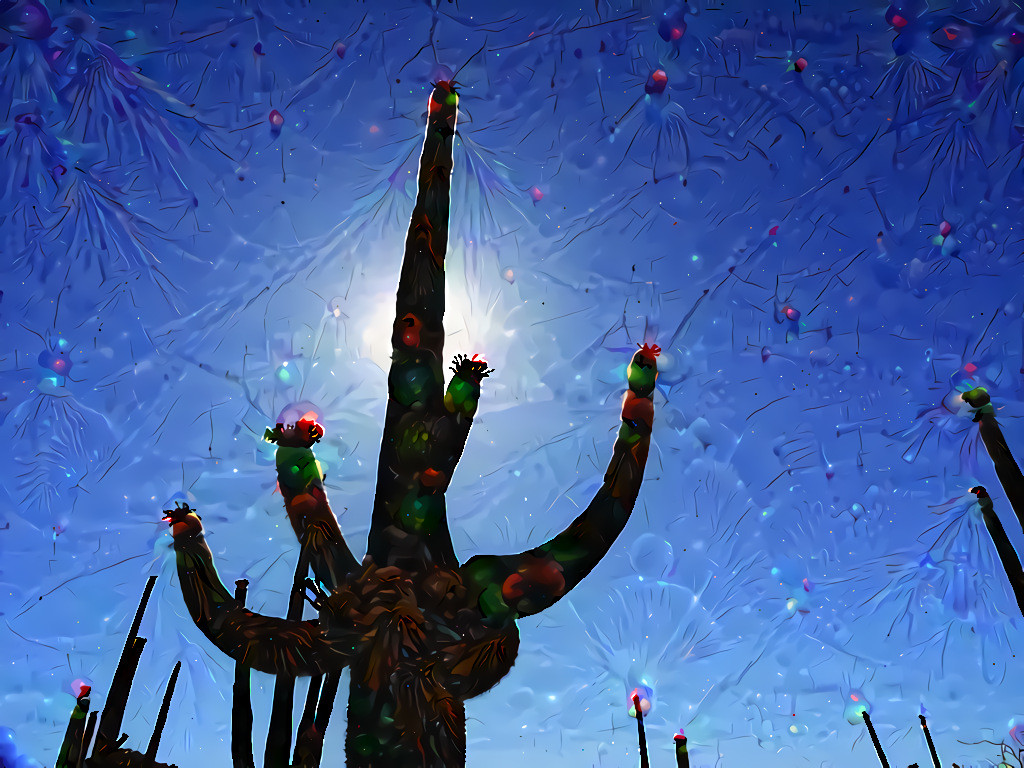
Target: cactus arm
(300,481)
(265,643)
(528,582)
(409,526)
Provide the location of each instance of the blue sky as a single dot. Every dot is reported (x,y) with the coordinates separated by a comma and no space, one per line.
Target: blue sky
(812,210)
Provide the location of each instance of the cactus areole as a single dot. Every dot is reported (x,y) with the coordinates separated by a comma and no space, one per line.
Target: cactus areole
(420,631)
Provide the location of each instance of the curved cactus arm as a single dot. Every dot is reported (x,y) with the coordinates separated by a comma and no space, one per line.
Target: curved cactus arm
(265,643)
(300,481)
(410,444)
(527,583)
(315,524)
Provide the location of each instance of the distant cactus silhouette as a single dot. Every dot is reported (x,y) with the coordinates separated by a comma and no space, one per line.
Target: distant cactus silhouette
(420,631)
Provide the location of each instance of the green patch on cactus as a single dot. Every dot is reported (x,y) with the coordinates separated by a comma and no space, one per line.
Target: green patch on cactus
(492,604)
(414,443)
(297,468)
(641,378)
(628,434)
(462,396)
(410,381)
(366,744)
(420,514)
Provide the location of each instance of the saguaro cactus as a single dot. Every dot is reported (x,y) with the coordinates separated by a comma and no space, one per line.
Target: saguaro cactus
(421,632)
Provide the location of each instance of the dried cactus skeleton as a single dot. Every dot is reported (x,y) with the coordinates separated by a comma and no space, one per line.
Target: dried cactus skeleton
(420,631)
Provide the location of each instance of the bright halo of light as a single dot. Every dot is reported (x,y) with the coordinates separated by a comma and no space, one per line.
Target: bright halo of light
(474,312)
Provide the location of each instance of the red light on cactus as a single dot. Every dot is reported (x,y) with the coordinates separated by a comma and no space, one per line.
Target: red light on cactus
(657,82)
(649,351)
(431,478)
(899,22)
(541,577)
(643,694)
(638,409)
(55,361)
(854,697)
(276,119)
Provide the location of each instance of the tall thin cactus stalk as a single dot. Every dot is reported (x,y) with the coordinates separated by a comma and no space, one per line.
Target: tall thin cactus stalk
(241,703)
(1007,470)
(874,740)
(1004,548)
(931,744)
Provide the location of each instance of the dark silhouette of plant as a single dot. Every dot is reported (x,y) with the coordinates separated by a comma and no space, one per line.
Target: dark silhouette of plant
(1007,471)
(420,631)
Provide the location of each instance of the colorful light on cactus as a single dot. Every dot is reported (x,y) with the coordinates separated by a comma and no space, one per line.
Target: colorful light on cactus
(682,752)
(856,706)
(656,82)
(302,410)
(55,361)
(646,694)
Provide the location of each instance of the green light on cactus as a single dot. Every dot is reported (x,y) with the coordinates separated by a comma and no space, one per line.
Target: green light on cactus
(640,377)
(627,434)
(420,514)
(462,396)
(491,602)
